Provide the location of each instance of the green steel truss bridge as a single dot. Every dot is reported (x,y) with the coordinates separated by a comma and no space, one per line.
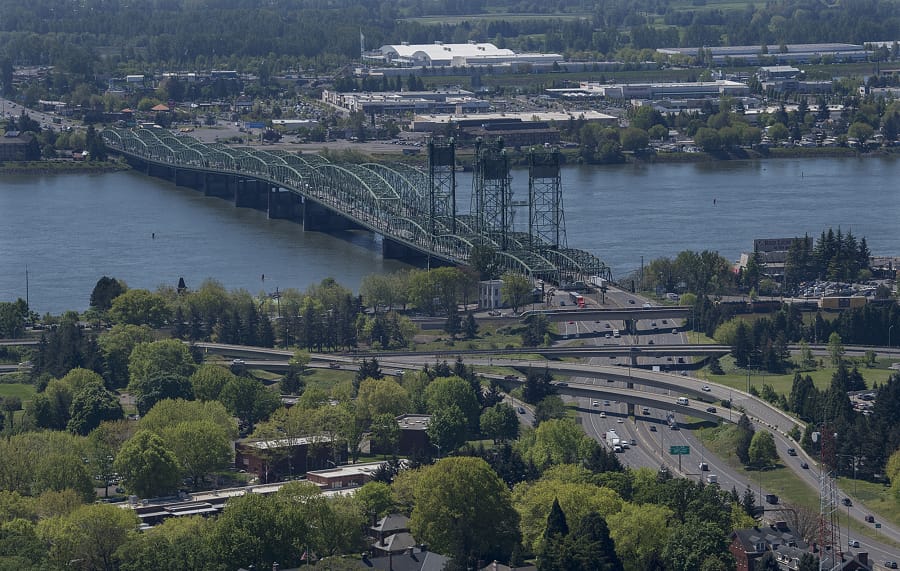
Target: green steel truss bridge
(414,210)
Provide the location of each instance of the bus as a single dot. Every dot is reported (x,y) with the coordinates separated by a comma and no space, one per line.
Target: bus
(577,298)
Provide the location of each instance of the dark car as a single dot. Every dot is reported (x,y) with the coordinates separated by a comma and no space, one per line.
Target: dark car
(652,428)
(631,301)
(804,465)
(791,452)
(870,518)
(847,502)
(710,409)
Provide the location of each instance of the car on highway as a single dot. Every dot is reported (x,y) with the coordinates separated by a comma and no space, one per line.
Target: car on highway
(650,342)
(520,410)
(595,403)
(608,326)
(804,465)
(653,324)
(652,428)
(237,363)
(608,335)
(562,384)
(633,442)
(791,452)
(853,543)
(706,388)
(890,564)
(870,518)
(334,365)
(631,301)
(606,403)
(847,502)
(619,420)
(665,321)
(602,415)
(674,331)
(711,409)
(704,467)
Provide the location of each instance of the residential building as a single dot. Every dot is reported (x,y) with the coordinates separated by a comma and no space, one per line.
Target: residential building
(17,146)
(489,294)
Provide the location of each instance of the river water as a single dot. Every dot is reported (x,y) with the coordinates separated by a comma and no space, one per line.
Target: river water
(72,229)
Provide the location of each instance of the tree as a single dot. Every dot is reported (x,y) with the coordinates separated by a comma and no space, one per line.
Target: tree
(209,380)
(92,405)
(162,386)
(106,290)
(470,326)
(139,307)
(708,140)
(590,546)
(375,499)
(169,412)
(11,404)
(116,345)
(552,546)
(745,437)
(385,433)
(835,349)
(447,429)
(200,447)
(148,468)
(862,132)
(178,544)
(691,543)
(382,396)
(639,532)
(150,361)
(634,139)
(762,449)
(515,291)
(500,423)
(248,400)
(462,507)
(90,535)
(453,391)
(778,132)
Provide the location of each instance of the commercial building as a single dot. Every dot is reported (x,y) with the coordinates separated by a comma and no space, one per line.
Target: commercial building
(775,54)
(771,254)
(489,294)
(271,460)
(17,146)
(674,90)
(401,102)
(440,54)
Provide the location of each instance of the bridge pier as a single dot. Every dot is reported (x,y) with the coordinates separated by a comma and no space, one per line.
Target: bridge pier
(251,193)
(317,218)
(392,249)
(218,186)
(283,204)
(189,178)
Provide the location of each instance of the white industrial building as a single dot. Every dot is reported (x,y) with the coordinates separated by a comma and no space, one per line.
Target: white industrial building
(398,103)
(440,54)
(790,53)
(652,91)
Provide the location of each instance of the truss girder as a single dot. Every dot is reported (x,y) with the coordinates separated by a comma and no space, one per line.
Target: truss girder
(389,199)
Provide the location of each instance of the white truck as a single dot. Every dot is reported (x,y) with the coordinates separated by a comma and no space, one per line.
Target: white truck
(598,281)
(612,439)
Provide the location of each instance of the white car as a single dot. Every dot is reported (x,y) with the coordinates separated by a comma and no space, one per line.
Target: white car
(706,388)
(602,415)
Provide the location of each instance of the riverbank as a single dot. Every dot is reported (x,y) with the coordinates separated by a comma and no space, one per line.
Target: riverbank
(60,167)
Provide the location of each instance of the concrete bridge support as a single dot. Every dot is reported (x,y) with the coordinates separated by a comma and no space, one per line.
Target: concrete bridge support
(283,204)
(189,178)
(399,251)
(219,186)
(251,193)
(317,218)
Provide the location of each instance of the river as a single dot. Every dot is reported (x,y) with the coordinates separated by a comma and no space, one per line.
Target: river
(69,230)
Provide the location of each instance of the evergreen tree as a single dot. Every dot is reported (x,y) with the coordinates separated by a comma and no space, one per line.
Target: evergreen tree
(470,326)
(590,548)
(745,436)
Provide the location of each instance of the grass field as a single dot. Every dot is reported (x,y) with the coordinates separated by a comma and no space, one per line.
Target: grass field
(737,378)
(22,390)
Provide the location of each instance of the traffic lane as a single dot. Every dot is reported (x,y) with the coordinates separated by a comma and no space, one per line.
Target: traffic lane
(635,456)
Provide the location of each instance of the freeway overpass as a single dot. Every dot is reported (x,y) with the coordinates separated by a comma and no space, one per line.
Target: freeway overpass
(634,351)
(620,314)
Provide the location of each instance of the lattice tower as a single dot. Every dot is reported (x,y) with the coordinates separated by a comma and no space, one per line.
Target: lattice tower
(492,192)
(829,529)
(546,220)
(441,182)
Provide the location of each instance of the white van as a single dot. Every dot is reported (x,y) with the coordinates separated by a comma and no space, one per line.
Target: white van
(616,333)
(683,401)
(712,479)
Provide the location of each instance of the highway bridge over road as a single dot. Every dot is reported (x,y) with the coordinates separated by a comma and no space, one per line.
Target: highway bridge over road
(413,210)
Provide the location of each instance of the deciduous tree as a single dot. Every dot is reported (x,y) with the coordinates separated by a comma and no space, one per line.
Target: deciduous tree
(148,468)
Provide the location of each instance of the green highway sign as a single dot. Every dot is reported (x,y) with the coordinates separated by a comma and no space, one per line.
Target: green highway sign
(679,450)
(877,526)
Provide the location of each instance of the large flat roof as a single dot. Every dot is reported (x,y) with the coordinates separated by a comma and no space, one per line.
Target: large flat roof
(557,116)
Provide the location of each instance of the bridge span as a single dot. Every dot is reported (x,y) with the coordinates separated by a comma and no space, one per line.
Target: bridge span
(414,210)
(621,314)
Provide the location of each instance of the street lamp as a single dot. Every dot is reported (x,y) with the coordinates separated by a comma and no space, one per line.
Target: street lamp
(891,328)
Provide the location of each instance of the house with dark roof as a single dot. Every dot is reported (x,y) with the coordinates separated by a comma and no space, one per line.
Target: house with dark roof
(413,559)
(751,544)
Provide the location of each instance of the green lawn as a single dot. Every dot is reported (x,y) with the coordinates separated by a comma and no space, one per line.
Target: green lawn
(875,497)
(737,378)
(22,390)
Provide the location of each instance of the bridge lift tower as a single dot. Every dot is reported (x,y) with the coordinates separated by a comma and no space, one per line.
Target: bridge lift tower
(441,182)
(492,192)
(546,220)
